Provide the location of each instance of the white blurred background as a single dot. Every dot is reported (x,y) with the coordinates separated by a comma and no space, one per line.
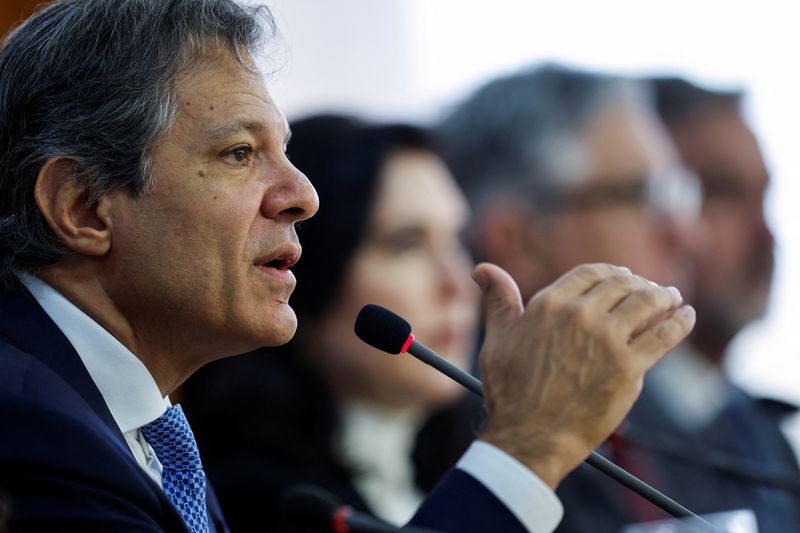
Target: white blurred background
(409,59)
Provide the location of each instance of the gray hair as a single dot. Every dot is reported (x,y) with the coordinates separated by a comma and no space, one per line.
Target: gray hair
(677,99)
(524,133)
(95,80)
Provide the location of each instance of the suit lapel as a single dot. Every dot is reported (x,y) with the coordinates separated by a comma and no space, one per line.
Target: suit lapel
(29,327)
(25,323)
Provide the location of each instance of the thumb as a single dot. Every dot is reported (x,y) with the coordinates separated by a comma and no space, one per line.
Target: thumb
(502,301)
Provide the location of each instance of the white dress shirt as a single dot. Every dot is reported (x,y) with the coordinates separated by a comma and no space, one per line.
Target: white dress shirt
(703,388)
(134,399)
(130,392)
(378,442)
(704,391)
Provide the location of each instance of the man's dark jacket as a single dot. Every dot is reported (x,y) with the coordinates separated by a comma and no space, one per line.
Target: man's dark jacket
(65,466)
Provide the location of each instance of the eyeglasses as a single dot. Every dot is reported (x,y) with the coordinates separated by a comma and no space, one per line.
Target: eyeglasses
(676,193)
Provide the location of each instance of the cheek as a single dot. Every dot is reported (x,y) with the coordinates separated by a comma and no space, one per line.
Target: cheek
(600,236)
(727,245)
(400,285)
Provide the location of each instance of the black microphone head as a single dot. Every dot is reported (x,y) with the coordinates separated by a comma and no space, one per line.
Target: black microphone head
(382,329)
(308,506)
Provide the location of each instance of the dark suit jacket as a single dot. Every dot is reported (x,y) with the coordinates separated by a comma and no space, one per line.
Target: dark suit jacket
(63,461)
(66,466)
(746,430)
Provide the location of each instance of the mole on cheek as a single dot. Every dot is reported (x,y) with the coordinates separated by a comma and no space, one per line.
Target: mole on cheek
(201,173)
(211,108)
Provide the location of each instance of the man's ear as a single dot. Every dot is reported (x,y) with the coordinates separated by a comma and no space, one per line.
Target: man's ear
(81,224)
(513,236)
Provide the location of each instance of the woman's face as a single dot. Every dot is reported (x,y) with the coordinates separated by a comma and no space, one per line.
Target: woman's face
(411,261)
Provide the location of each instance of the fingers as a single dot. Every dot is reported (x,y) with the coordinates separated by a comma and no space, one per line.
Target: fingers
(636,311)
(606,295)
(583,278)
(502,300)
(646,315)
(629,298)
(641,314)
(664,335)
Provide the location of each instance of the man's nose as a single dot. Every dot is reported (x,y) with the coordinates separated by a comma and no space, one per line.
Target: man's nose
(294,199)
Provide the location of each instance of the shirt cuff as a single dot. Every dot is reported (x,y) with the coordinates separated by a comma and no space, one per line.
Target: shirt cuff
(516,486)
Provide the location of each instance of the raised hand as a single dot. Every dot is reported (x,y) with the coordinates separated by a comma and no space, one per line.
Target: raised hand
(561,373)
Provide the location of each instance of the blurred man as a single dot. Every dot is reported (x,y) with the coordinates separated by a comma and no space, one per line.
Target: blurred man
(562,167)
(688,395)
(692,433)
(734,268)
(701,439)
(147,227)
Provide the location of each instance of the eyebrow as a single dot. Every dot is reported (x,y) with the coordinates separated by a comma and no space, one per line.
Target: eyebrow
(232,128)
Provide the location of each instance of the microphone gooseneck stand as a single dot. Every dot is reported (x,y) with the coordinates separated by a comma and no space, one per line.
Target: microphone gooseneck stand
(390,333)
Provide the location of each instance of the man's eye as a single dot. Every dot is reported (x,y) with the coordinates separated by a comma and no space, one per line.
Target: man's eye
(240,155)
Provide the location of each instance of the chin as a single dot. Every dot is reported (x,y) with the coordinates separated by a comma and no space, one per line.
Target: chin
(278,329)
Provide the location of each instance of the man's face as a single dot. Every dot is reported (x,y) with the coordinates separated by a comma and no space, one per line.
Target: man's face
(734,268)
(200,265)
(608,217)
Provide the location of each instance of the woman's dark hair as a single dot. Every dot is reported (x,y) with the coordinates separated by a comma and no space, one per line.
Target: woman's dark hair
(271,409)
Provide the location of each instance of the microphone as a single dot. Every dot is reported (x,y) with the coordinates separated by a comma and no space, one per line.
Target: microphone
(386,331)
(311,507)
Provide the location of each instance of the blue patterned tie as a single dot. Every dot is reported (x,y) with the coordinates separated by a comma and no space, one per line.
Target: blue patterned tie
(183,478)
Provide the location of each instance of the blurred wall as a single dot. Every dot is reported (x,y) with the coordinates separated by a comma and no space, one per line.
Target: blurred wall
(348,55)
(13,11)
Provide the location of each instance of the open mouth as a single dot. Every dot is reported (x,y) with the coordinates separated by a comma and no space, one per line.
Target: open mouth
(281,263)
(283,259)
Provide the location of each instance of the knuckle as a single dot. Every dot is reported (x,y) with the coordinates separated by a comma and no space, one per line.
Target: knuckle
(644,283)
(620,279)
(588,271)
(648,297)
(625,281)
(665,332)
(578,314)
(546,302)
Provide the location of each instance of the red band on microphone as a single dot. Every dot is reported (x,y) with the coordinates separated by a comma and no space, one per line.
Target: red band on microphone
(339,522)
(407,344)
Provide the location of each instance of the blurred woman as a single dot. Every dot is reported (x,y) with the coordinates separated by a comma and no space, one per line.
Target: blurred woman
(327,409)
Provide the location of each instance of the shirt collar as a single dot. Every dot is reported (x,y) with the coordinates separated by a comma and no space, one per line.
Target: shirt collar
(377,443)
(703,388)
(128,388)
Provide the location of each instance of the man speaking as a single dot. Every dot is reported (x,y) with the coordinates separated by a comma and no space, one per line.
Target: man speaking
(147,215)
